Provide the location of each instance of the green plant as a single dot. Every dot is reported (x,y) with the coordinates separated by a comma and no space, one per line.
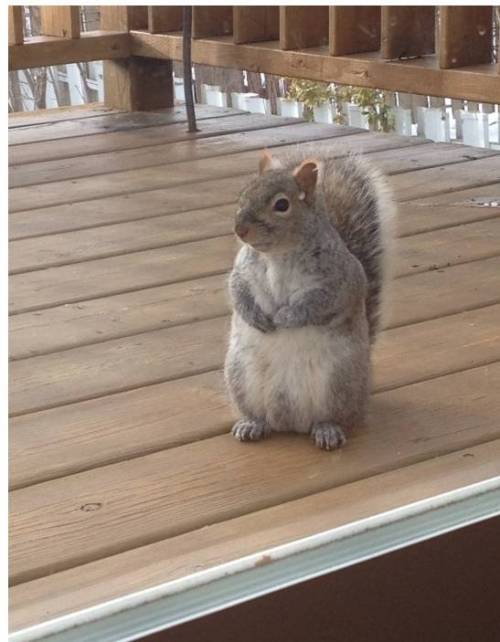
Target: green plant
(311,93)
(371,101)
(372,104)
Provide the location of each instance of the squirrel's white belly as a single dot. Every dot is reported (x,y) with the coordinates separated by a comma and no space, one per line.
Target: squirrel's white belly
(288,375)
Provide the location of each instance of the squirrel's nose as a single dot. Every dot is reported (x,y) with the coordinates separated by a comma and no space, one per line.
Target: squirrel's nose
(241,230)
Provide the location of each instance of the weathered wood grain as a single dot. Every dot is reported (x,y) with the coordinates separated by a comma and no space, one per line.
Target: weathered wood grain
(302,27)
(114,121)
(134,270)
(254,24)
(403,355)
(133,423)
(416,298)
(170,559)
(51,152)
(465,36)
(407,31)
(102,512)
(354,29)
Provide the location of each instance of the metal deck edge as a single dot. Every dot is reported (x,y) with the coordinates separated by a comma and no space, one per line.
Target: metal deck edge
(157,608)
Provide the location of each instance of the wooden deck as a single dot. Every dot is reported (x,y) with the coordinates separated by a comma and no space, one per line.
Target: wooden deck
(123,474)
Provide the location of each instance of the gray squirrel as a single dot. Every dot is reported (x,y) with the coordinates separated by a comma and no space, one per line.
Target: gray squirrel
(306,290)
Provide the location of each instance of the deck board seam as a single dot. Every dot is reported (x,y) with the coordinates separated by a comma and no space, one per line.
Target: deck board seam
(26,576)
(242,174)
(187,138)
(217,368)
(121,129)
(490,215)
(189,182)
(224,429)
(211,317)
(228,235)
(205,274)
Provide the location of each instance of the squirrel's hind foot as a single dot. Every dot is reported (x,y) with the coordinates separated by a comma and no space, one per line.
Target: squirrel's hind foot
(328,436)
(250,429)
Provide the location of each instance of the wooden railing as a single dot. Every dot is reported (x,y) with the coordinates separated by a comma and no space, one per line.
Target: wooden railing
(407,49)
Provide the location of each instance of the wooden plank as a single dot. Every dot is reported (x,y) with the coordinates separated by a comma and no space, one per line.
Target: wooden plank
(150,178)
(212,21)
(354,30)
(164,19)
(85,146)
(138,84)
(21,119)
(221,144)
(112,240)
(302,27)
(407,31)
(68,439)
(16,25)
(425,214)
(121,315)
(117,121)
(161,485)
(153,267)
(123,18)
(446,179)
(416,298)
(135,84)
(445,210)
(465,36)
(81,245)
(254,24)
(134,270)
(165,560)
(363,70)
(448,246)
(60,21)
(404,355)
(44,51)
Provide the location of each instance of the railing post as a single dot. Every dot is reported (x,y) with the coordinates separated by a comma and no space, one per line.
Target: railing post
(16,31)
(135,83)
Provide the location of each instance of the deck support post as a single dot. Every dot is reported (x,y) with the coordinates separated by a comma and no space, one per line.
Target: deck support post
(138,84)
(135,84)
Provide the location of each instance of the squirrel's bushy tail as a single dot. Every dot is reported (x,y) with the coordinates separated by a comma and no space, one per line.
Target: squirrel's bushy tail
(362,209)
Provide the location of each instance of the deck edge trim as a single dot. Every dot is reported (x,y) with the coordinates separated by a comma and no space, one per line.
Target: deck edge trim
(169,604)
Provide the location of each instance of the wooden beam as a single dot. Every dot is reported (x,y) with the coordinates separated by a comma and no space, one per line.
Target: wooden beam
(63,22)
(465,36)
(212,21)
(254,24)
(408,31)
(135,84)
(16,20)
(164,19)
(123,18)
(354,30)
(302,27)
(368,70)
(138,84)
(43,51)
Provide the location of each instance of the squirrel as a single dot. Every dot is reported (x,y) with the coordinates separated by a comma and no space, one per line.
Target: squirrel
(306,290)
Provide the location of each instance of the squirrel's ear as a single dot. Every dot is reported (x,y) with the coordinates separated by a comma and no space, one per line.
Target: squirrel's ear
(267,162)
(306,175)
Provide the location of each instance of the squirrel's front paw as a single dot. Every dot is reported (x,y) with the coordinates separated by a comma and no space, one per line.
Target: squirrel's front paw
(284,317)
(328,436)
(250,429)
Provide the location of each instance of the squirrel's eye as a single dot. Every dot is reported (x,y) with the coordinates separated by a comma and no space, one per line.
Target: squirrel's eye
(282,205)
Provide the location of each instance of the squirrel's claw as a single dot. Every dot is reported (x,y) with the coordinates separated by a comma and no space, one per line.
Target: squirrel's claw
(250,429)
(328,436)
